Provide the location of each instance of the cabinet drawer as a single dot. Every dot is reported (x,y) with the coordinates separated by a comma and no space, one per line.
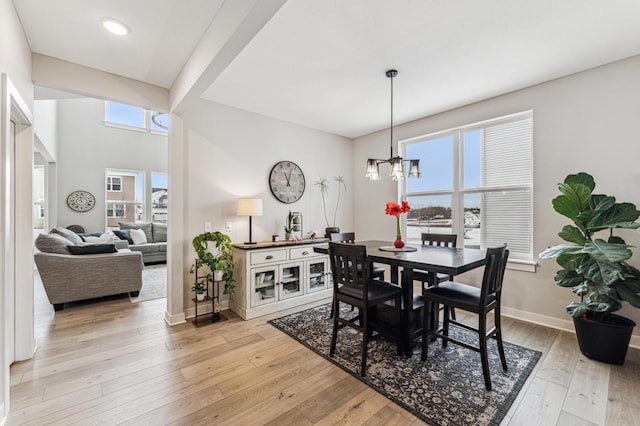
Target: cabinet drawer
(302,252)
(258,258)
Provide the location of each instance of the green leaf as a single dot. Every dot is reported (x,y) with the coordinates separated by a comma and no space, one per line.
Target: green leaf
(597,204)
(572,234)
(576,309)
(566,207)
(577,193)
(571,261)
(600,272)
(581,178)
(565,278)
(629,291)
(603,251)
(622,215)
(629,270)
(613,239)
(556,251)
(581,290)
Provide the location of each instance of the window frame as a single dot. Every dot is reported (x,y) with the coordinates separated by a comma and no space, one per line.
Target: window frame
(110,183)
(458,192)
(147,124)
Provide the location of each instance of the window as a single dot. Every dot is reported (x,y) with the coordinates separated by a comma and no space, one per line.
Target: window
(135,118)
(477,182)
(114,183)
(125,199)
(115,210)
(159,197)
(124,115)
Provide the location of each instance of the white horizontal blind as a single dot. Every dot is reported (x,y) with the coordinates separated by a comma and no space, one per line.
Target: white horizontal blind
(507,161)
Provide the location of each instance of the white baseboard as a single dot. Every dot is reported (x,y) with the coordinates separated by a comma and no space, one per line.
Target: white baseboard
(174,319)
(559,324)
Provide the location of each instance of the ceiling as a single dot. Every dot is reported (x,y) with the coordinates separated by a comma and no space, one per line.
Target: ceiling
(321,64)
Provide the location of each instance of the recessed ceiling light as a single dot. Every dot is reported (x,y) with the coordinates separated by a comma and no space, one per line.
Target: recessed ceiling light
(114,26)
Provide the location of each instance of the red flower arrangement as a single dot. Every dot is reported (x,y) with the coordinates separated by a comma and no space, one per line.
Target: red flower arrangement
(395,209)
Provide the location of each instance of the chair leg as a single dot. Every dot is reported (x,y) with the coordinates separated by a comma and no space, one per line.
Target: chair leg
(400,324)
(503,359)
(484,356)
(365,338)
(445,325)
(426,327)
(453,313)
(334,334)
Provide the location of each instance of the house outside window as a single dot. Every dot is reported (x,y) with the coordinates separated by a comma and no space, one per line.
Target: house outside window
(159,197)
(476,182)
(115,210)
(114,183)
(126,203)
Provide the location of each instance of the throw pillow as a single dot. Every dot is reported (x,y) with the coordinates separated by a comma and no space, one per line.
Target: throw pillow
(52,243)
(93,249)
(123,234)
(100,239)
(69,235)
(145,226)
(138,236)
(159,232)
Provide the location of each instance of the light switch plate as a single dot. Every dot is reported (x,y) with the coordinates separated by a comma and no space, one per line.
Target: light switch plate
(207,227)
(227,227)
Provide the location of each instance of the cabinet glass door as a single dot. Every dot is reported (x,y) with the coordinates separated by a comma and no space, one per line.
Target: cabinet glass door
(291,280)
(317,275)
(263,282)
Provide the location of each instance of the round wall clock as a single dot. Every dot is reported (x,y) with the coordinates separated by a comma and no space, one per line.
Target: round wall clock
(81,201)
(286,182)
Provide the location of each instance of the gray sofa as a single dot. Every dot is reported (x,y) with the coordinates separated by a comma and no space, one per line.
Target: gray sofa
(155,249)
(71,277)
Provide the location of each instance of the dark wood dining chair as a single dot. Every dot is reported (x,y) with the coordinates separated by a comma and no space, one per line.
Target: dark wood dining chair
(441,240)
(353,285)
(480,301)
(350,237)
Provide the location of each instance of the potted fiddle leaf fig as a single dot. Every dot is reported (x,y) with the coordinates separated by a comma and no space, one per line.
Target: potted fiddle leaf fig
(220,260)
(594,266)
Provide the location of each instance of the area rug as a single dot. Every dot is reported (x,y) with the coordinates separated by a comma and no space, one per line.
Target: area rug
(154,283)
(447,390)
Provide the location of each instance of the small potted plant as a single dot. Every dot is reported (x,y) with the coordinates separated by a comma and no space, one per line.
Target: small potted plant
(324,191)
(289,227)
(199,288)
(220,260)
(596,269)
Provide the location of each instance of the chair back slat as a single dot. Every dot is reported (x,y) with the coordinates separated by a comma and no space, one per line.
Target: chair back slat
(344,237)
(349,266)
(442,240)
(494,271)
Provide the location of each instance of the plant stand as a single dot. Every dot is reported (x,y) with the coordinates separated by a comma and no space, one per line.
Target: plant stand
(211,298)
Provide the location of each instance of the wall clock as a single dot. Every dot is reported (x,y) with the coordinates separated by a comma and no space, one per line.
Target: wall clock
(81,201)
(286,182)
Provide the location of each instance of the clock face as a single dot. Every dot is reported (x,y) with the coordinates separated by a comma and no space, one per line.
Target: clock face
(286,181)
(81,201)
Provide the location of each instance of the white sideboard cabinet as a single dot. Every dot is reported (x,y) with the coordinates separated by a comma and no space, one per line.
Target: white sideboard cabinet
(271,277)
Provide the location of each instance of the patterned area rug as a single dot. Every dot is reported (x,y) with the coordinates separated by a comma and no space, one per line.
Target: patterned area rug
(447,390)
(154,283)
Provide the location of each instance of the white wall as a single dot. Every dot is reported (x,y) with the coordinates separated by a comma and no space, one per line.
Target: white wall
(15,62)
(86,147)
(229,154)
(45,126)
(584,122)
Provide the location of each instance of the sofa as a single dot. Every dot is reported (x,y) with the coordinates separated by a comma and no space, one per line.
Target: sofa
(151,241)
(73,270)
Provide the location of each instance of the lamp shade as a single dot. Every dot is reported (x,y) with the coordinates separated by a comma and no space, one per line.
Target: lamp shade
(249,206)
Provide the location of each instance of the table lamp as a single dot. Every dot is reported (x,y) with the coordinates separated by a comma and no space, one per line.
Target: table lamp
(250,207)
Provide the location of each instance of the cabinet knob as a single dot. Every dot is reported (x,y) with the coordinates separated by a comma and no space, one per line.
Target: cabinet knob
(268,257)
(304,253)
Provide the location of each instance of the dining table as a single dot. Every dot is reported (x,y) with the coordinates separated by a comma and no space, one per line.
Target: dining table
(402,262)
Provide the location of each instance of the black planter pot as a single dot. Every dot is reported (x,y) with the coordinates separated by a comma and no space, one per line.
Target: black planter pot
(605,341)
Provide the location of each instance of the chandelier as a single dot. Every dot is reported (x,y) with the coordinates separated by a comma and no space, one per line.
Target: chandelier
(397,162)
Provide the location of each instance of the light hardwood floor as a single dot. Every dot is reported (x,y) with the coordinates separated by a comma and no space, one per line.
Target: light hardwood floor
(113,362)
